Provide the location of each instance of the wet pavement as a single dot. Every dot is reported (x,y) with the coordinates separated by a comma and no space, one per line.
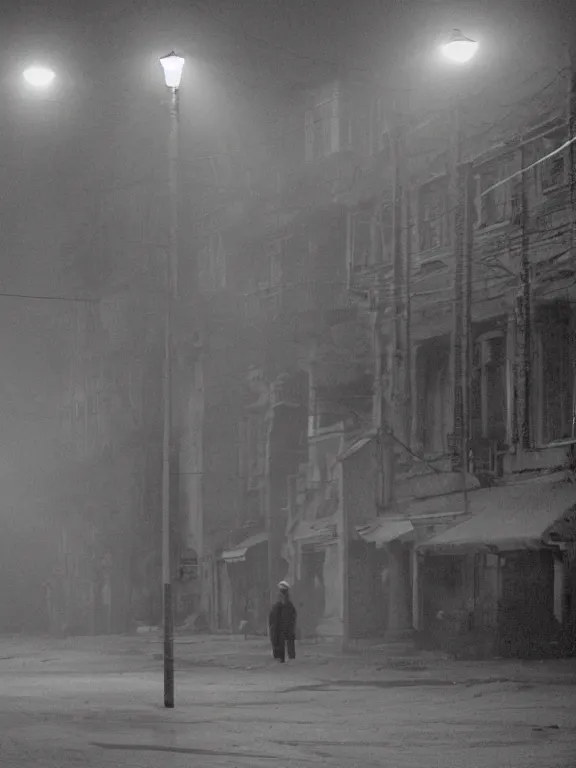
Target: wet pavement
(98,702)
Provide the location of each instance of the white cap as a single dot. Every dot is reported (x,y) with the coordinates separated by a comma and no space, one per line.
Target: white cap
(283,586)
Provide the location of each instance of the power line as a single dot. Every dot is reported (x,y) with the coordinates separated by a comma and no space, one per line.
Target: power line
(40,297)
(522,171)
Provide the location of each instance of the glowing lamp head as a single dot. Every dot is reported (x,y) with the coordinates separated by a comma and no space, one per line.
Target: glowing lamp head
(39,77)
(459,49)
(172,64)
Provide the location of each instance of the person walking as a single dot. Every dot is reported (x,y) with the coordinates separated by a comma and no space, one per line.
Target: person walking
(282,625)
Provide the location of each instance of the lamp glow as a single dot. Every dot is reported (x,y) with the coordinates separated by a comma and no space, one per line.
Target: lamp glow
(172,64)
(459,49)
(39,77)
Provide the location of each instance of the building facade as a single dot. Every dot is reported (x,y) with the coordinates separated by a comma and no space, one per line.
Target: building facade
(374,346)
(412,289)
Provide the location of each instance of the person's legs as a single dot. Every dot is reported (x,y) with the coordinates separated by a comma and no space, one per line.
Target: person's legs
(278,647)
(274,642)
(281,649)
(291,647)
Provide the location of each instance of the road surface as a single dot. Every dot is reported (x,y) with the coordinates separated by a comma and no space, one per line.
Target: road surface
(62,707)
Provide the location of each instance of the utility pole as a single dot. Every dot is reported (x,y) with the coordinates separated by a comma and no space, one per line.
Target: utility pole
(525,316)
(457,203)
(571,108)
(400,381)
(172,65)
(468,271)
(390,396)
(407,381)
(572,174)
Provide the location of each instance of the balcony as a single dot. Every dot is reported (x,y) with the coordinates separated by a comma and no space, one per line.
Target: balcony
(305,299)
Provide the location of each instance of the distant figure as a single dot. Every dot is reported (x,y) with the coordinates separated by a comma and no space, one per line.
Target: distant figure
(282,625)
(248,622)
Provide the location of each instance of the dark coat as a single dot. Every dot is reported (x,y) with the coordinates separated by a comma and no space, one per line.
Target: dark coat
(282,620)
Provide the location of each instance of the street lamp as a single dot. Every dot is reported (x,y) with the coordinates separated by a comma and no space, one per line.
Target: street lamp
(39,76)
(172,65)
(459,49)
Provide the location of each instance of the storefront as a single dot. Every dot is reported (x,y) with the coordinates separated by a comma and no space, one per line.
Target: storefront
(494,584)
(243,585)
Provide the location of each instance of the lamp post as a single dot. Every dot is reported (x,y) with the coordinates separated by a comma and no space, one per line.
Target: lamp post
(172,65)
(460,50)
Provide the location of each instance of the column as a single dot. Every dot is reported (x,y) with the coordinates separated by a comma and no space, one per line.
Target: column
(511,376)
(399,599)
(415,427)
(415,589)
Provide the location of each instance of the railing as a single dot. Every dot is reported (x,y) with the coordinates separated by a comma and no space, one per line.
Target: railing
(297,298)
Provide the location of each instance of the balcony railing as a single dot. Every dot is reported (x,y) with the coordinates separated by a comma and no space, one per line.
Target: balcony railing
(298,298)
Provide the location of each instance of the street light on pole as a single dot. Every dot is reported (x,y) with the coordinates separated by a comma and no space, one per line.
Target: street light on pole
(460,50)
(172,65)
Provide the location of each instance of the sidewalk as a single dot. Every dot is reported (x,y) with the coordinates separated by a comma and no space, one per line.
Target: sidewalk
(326,660)
(322,661)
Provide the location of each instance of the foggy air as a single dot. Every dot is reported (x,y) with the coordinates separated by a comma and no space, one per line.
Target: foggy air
(288,311)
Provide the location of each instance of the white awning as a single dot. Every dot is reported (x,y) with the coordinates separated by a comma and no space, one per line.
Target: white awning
(315,531)
(531,514)
(238,554)
(383,530)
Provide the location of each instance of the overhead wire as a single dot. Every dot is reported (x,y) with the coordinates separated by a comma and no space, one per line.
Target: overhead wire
(301,130)
(536,163)
(320,119)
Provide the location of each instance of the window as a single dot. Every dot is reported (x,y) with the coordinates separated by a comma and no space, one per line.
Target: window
(433,407)
(361,238)
(383,235)
(79,410)
(433,219)
(556,329)
(275,263)
(91,323)
(92,405)
(488,388)
(552,172)
(497,204)
(326,128)
(371,236)
(318,132)
(252,454)
(376,127)
(355,121)
(295,260)
(212,264)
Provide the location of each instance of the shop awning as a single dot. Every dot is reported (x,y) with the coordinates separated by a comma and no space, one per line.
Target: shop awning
(528,515)
(315,531)
(382,530)
(238,554)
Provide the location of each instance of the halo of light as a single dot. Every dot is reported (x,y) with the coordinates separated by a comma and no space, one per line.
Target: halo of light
(459,49)
(38,76)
